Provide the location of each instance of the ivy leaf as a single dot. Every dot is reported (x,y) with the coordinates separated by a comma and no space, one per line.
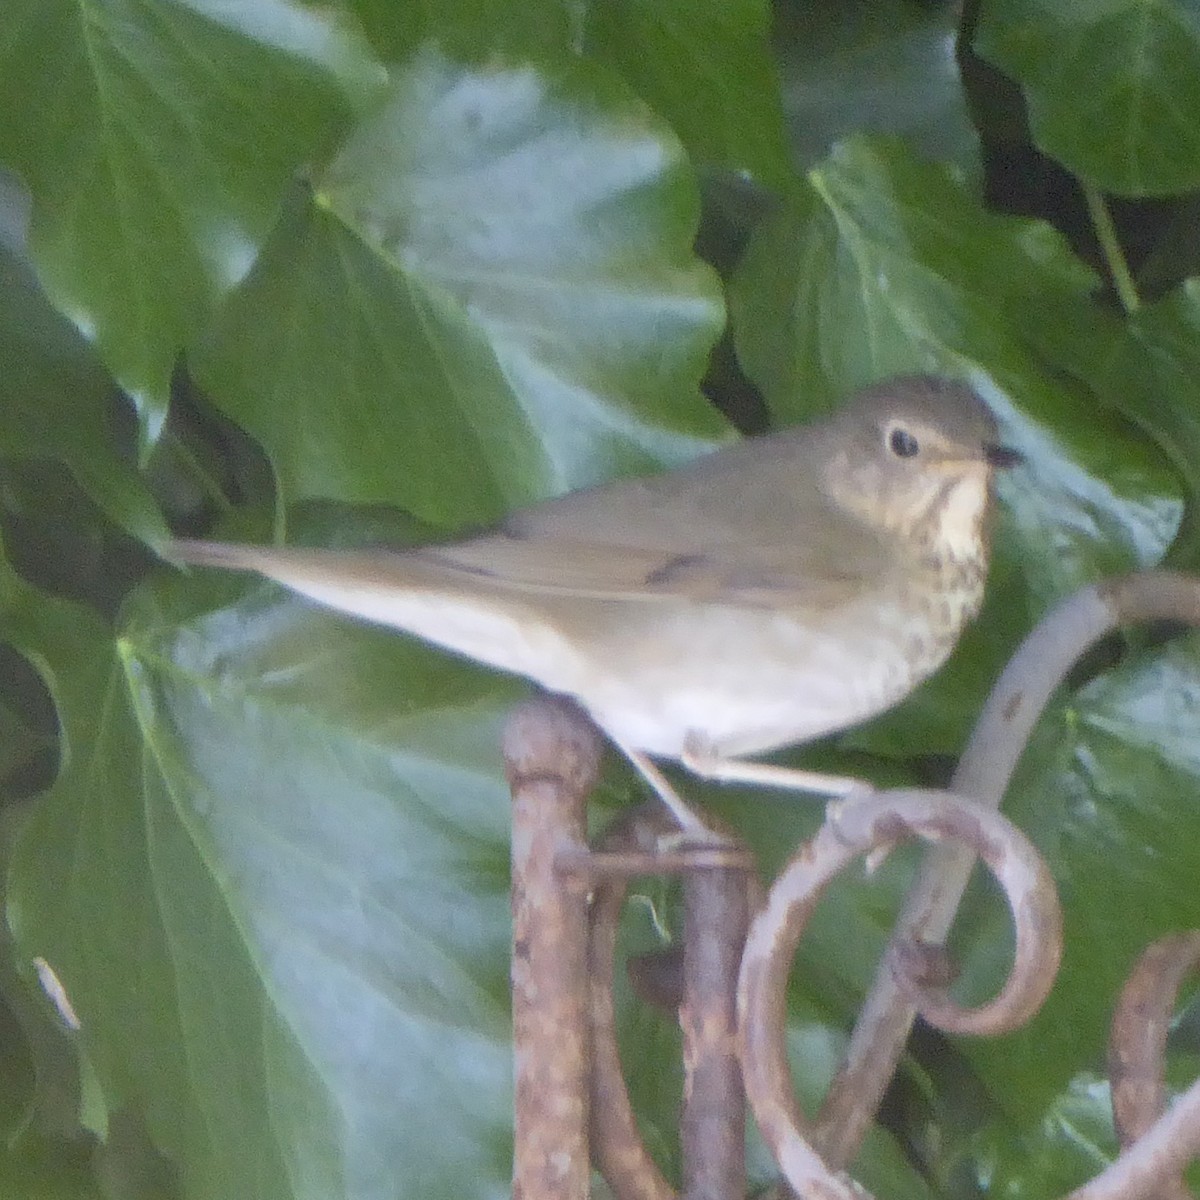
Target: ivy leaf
(1111,88)
(491,296)
(155,151)
(272,880)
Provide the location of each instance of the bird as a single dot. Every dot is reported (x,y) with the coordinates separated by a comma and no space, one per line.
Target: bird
(770,592)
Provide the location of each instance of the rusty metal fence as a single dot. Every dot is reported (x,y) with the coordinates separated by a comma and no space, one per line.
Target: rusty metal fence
(572,1107)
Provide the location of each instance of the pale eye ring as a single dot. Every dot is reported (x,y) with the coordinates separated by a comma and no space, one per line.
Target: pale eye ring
(902,443)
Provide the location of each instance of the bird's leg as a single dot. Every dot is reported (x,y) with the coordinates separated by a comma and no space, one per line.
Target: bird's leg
(702,759)
(692,826)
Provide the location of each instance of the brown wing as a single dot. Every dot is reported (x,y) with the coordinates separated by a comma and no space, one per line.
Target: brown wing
(770,576)
(741,526)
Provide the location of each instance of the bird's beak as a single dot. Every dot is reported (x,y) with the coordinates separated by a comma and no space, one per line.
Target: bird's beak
(1002,457)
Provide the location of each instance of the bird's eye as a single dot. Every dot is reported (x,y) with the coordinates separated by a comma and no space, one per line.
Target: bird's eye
(902,443)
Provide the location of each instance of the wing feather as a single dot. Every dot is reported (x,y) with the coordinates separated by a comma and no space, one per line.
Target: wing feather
(736,527)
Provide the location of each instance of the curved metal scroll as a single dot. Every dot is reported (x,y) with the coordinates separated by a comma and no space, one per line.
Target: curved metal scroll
(962,826)
(861,827)
(1012,709)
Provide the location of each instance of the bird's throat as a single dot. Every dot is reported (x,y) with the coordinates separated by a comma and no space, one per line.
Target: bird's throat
(954,529)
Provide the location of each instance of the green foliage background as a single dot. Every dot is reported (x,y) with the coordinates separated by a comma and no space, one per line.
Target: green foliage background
(373,268)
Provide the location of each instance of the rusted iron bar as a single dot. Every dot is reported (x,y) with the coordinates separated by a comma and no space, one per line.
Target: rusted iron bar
(713,1123)
(602,864)
(719,893)
(620,1154)
(1163,1152)
(551,754)
(1137,1047)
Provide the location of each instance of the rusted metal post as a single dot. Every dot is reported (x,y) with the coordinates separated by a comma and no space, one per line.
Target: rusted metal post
(551,754)
(1137,1048)
(713,1125)
(720,890)
(617,1147)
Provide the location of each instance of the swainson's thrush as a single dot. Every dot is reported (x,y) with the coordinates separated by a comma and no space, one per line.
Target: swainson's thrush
(768,593)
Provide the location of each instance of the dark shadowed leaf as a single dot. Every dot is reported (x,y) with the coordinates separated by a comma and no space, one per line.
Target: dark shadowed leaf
(1111,89)
(56,401)
(863,66)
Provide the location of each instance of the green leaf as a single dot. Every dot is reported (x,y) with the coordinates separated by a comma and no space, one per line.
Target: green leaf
(273,881)
(322,357)
(491,297)
(866,66)
(1069,1143)
(47,1176)
(1112,89)
(155,151)
(705,66)
(101,755)
(1152,373)
(479,26)
(886,264)
(55,399)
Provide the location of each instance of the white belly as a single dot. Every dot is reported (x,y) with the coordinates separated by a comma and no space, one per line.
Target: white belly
(741,694)
(654,673)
